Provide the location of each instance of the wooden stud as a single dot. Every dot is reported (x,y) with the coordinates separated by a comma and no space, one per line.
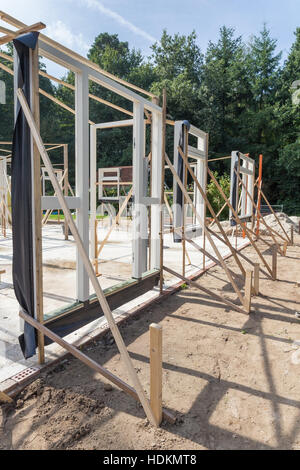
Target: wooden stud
(248,289)
(292,235)
(162,195)
(276,217)
(256,279)
(37,215)
(5,398)
(274,262)
(284,250)
(186,136)
(156,371)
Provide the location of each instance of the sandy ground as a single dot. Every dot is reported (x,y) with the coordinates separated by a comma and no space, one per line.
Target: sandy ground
(231,379)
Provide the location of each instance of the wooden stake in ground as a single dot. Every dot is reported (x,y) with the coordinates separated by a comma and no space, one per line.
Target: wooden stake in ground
(248,289)
(256,279)
(274,262)
(85,258)
(156,371)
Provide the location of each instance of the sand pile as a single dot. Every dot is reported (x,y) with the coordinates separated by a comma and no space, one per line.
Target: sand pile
(270,219)
(286,221)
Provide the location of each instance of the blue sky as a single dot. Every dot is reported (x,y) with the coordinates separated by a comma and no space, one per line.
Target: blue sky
(75,23)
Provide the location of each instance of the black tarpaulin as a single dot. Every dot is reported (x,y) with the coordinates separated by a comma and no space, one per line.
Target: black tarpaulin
(21,197)
(178,199)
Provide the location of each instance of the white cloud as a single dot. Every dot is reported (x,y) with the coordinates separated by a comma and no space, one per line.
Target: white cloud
(60,32)
(96,5)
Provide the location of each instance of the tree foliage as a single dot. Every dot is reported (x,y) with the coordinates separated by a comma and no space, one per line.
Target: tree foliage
(240,93)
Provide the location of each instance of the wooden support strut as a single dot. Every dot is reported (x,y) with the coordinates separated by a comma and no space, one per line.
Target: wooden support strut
(239,222)
(87,264)
(202,223)
(275,215)
(211,293)
(26,29)
(156,371)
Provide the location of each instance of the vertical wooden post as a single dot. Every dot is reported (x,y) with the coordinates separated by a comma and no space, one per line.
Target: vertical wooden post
(66,185)
(186,136)
(37,211)
(292,235)
(285,245)
(96,247)
(162,201)
(274,262)
(156,371)
(248,289)
(256,279)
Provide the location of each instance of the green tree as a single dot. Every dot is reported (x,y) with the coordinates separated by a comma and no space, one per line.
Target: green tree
(224,91)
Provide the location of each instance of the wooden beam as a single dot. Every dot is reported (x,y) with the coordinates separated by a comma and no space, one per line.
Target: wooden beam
(211,293)
(162,194)
(26,29)
(18,24)
(60,103)
(37,215)
(6,69)
(274,262)
(156,371)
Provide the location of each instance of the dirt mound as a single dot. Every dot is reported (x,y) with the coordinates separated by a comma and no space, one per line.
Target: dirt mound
(285,221)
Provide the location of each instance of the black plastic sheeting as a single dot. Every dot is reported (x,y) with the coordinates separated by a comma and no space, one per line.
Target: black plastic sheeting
(178,193)
(21,198)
